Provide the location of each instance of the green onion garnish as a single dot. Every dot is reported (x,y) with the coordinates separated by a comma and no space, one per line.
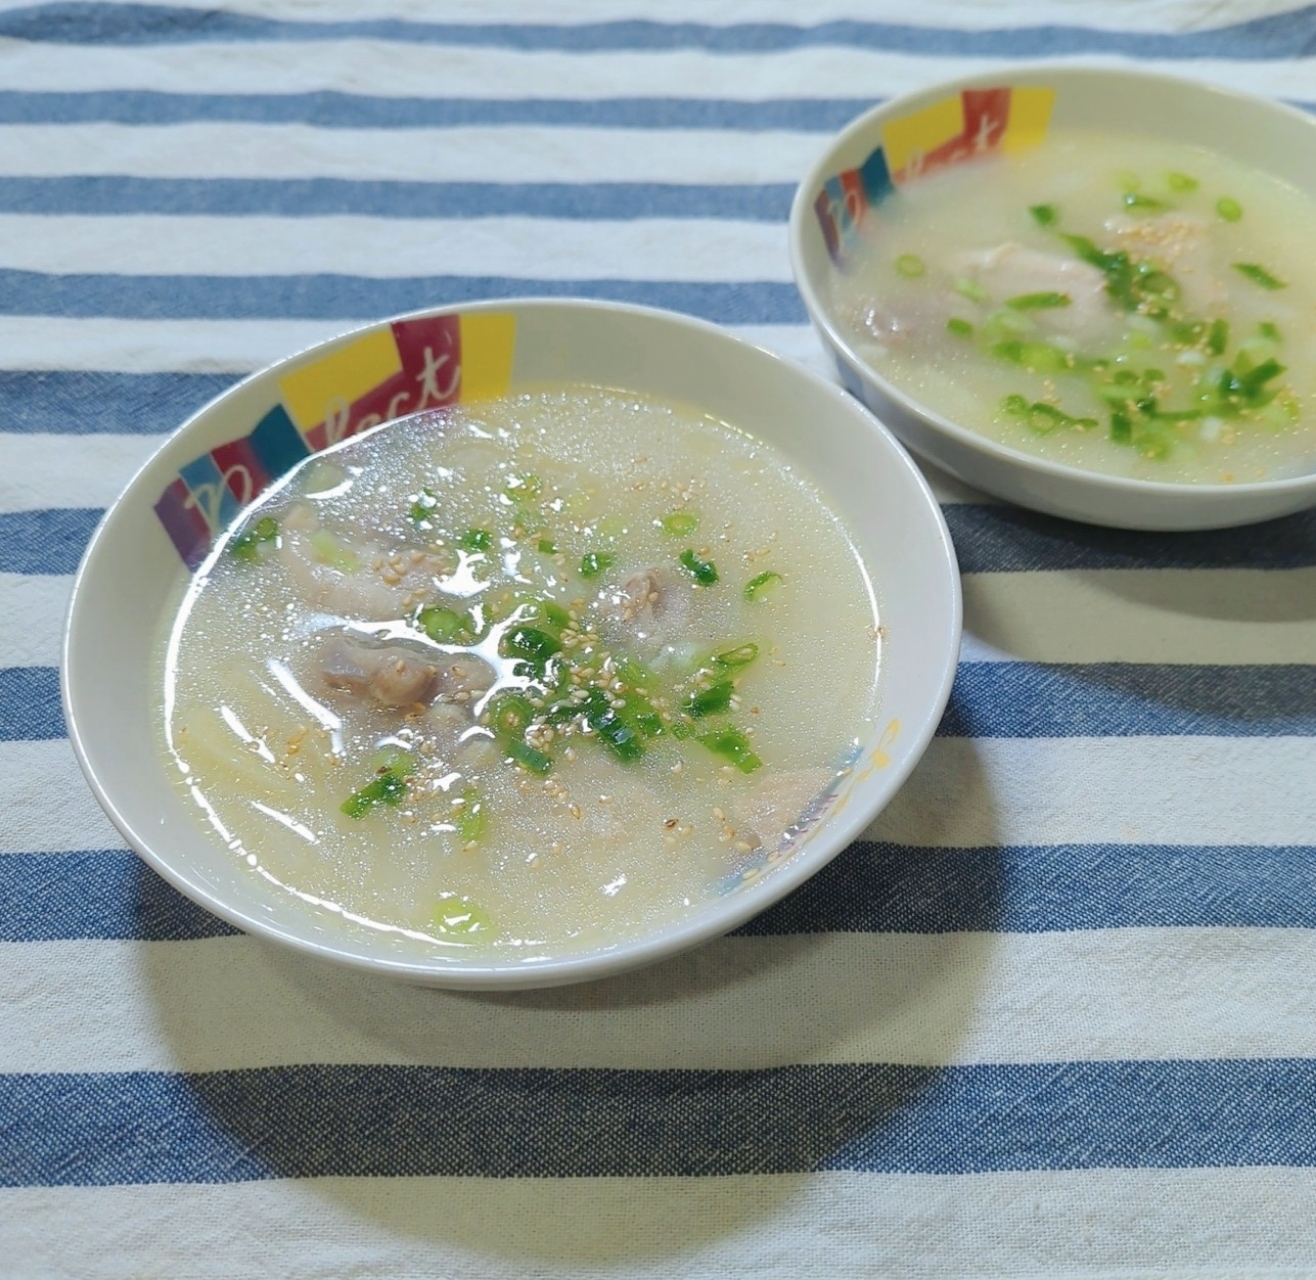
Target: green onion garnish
(455,914)
(531,757)
(708,702)
(970,289)
(469,816)
(1181,182)
(1259,275)
(732,745)
(1045,215)
(475,540)
(704,571)
(1270,331)
(246,546)
(1040,357)
(593,563)
(1217,338)
(424,505)
(536,647)
(741,656)
(389,788)
(910,265)
(612,729)
(445,626)
(1038,301)
(960,328)
(510,714)
(523,488)
(759,586)
(681,523)
(1229,209)
(1132,200)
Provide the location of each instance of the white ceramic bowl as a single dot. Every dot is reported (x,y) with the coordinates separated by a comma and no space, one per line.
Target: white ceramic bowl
(831,199)
(132,572)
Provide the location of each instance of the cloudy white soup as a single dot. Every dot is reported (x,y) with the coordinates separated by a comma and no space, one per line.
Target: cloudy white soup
(1114,303)
(533,674)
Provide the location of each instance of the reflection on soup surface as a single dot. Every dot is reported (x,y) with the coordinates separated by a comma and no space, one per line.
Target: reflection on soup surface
(538,672)
(1124,305)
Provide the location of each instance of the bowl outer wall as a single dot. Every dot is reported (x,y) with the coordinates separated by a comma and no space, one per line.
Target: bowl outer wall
(130,577)
(1258,132)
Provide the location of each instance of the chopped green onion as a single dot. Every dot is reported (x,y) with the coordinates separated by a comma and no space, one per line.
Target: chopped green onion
(523,488)
(910,265)
(612,729)
(1038,301)
(1121,427)
(247,546)
(530,757)
(1259,275)
(732,745)
(970,289)
(761,585)
(638,711)
(455,914)
(593,563)
(547,547)
(1040,357)
(704,571)
(681,523)
(1269,330)
(510,714)
(1041,417)
(960,328)
(389,788)
(542,611)
(741,656)
(1045,215)
(470,816)
(445,626)
(1229,209)
(333,552)
(536,647)
(422,508)
(1181,182)
(708,702)
(475,540)
(1217,338)
(1132,200)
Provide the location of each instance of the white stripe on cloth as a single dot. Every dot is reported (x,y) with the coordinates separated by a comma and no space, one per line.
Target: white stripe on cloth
(399,68)
(466,153)
(378,248)
(1175,1224)
(914,999)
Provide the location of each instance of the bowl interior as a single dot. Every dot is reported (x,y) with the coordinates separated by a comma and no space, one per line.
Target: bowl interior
(194,486)
(1013,110)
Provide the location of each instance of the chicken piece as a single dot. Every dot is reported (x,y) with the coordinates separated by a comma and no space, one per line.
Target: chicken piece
(391,675)
(766,814)
(359,580)
(1010,271)
(1180,244)
(650,605)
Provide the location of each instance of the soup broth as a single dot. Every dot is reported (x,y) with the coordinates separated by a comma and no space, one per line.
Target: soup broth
(535,673)
(1119,304)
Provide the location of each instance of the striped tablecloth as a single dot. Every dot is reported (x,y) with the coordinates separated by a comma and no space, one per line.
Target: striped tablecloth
(1056,1015)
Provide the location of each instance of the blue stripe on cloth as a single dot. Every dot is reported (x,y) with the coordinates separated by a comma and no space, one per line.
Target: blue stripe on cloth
(83,402)
(329,109)
(95,893)
(989,700)
(988,539)
(334,297)
(29,704)
(872,887)
(50,541)
(1124,699)
(997,538)
(878,887)
(1283,35)
(321,197)
(350,1121)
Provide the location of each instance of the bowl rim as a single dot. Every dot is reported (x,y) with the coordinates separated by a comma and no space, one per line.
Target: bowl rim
(836,831)
(1028,72)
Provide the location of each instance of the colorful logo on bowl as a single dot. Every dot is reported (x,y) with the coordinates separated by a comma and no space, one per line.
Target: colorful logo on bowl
(973,123)
(383,374)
